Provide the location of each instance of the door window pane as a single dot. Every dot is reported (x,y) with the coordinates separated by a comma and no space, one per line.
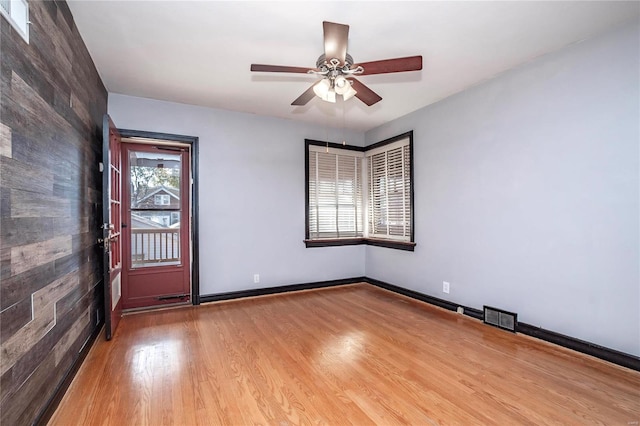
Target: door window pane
(155,208)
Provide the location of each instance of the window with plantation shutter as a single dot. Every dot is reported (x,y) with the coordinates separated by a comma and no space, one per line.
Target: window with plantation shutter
(335,193)
(389,189)
(359,195)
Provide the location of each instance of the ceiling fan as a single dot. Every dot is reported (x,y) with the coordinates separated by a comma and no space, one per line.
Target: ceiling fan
(337,69)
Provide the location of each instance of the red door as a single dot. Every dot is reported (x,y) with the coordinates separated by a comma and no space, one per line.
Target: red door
(156,218)
(111,228)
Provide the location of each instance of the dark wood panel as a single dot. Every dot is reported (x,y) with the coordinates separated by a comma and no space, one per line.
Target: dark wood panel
(18,289)
(5,202)
(14,318)
(68,225)
(60,153)
(54,401)
(90,274)
(29,150)
(83,241)
(63,9)
(23,341)
(33,69)
(5,141)
(21,407)
(51,108)
(53,52)
(64,55)
(20,100)
(25,230)
(49,63)
(18,175)
(45,380)
(12,380)
(71,344)
(67,187)
(30,256)
(79,209)
(51,8)
(69,263)
(5,262)
(21,286)
(29,204)
(64,109)
(69,301)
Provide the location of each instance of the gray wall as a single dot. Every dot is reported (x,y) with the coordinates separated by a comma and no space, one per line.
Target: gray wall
(252,202)
(526,194)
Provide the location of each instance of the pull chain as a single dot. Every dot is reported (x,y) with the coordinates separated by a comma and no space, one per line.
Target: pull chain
(344,142)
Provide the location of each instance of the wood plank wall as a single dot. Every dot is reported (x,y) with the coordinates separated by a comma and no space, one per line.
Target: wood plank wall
(51,108)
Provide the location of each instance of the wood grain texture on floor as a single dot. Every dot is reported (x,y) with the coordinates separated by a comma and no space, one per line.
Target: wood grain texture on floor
(346,355)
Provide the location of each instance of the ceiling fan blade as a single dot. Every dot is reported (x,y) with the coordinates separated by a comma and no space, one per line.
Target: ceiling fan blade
(278,68)
(410,63)
(335,41)
(365,94)
(305,97)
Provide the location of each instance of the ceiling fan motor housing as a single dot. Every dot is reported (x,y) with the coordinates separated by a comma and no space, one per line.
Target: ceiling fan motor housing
(333,64)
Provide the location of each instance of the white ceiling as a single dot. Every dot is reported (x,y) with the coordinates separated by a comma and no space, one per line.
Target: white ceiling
(200,52)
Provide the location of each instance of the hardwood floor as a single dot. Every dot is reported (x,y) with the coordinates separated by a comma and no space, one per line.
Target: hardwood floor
(344,355)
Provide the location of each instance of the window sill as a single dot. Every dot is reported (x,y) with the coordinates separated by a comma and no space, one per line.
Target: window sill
(398,245)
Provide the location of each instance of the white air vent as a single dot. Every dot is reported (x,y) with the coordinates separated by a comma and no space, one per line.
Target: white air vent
(500,318)
(17,13)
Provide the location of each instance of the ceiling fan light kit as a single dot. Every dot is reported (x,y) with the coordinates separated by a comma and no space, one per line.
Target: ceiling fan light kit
(337,72)
(327,89)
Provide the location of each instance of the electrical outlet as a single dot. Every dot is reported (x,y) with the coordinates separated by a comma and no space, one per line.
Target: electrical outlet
(445,287)
(460,310)
(256,278)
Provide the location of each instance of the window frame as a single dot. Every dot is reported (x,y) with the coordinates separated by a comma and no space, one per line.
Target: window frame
(379,242)
(331,241)
(381,147)
(9,15)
